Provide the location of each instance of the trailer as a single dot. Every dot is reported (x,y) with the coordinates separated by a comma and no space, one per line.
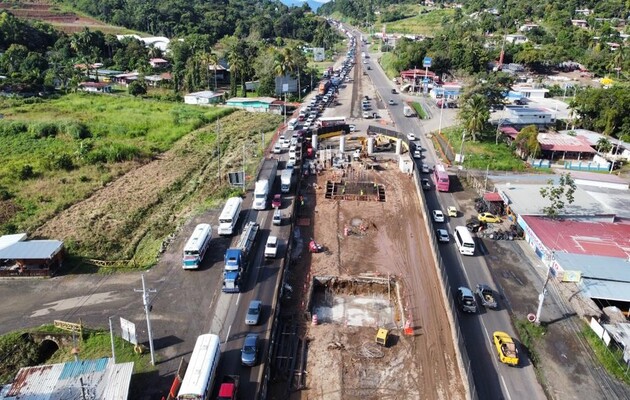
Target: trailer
(408,111)
(264,183)
(237,258)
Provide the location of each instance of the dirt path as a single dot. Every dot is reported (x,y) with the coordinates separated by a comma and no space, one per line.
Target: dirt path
(423,366)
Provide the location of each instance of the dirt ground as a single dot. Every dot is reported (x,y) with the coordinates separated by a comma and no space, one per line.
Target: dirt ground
(387,239)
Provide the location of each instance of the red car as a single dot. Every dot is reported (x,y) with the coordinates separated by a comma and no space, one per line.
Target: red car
(277,201)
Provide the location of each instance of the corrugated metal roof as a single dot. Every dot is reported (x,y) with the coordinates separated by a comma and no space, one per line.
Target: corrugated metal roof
(99,379)
(596,267)
(31,250)
(605,290)
(7,240)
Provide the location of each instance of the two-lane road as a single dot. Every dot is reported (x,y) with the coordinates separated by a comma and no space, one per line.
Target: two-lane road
(493,380)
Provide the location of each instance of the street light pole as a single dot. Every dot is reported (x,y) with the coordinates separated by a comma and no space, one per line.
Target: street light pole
(441,112)
(147,311)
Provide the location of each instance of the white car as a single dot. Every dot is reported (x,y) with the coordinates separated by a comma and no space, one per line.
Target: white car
(352,127)
(391,102)
(271,248)
(442,235)
(425,169)
(411,137)
(367,115)
(438,216)
(277,149)
(417,154)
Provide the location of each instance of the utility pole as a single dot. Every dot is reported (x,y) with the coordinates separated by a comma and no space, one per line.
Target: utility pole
(541,296)
(111,338)
(219,147)
(147,310)
(244,185)
(441,112)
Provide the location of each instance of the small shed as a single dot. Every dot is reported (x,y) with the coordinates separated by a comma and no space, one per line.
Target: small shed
(204,97)
(405,163)
(32,258)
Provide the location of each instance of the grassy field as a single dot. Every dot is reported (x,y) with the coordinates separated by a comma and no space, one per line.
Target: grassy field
(484,154)
(59,151)
(114,176)
(427,24)
(386,62)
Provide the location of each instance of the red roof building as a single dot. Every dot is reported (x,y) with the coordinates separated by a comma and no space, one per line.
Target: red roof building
(579,237)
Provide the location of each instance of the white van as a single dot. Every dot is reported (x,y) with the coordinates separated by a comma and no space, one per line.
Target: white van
(277,217)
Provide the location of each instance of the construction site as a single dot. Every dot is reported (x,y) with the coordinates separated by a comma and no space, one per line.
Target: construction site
(365,314)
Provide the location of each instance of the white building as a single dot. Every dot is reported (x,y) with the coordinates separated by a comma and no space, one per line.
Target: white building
(530,92)
(516,39)
(202,98)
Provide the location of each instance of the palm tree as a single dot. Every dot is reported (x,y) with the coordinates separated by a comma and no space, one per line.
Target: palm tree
(475,115)
(604,145)
(237,69)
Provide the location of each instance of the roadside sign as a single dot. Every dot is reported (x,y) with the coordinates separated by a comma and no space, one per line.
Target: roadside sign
(426,62)
(128,331)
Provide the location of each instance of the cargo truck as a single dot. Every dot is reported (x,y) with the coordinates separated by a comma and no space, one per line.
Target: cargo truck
(228,389)
(409,111)
(263,186)
(237,258)
(285,180)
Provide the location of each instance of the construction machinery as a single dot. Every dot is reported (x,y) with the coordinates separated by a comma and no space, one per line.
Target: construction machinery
(381,337)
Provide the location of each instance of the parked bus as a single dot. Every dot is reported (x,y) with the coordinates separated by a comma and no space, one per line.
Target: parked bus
(440,176)
(197,383)
(464,240)
(229,215)
(196,246)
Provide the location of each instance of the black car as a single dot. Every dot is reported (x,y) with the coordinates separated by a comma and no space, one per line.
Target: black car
(394,91)
(474,225)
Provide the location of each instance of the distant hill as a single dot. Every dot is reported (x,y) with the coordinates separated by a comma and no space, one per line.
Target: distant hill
(298,3)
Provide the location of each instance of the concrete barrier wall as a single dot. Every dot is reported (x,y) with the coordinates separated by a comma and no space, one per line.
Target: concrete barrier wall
(456,332)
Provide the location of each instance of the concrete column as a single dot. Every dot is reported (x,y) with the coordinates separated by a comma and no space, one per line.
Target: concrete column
(399,146)
(370,149)
(342,144)
(314,141)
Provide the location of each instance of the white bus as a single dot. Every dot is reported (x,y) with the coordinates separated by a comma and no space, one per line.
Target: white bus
(229,215)
(292,124)
(464,240)
(197,383)
(196,246)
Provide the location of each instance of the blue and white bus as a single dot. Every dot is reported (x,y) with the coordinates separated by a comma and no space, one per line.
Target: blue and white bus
(202,368)
(229,216)
(196,246)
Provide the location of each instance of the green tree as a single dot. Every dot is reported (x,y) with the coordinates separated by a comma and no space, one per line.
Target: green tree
(559,195)
(527,141)
(474,114)
(604,145)
(137,88)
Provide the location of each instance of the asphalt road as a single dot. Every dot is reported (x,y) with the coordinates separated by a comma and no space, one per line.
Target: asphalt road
(492,379)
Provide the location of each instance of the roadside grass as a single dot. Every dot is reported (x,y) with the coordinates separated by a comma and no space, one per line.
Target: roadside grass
(610,359)
(419,110)
(484,153)
(387,60)
(57,152)
(429,23)
(530,334)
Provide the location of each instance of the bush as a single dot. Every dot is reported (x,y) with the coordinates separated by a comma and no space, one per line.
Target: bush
(26,172)
(59,161)
(115,152)
(12,128)
(44,129)
(77,130)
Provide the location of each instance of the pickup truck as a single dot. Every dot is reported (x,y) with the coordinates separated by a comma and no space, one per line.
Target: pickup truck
(466,300)
(506,348)
(486,295)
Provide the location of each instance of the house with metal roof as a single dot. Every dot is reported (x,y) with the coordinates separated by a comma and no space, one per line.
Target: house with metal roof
(31,258)
(205,97)
(86,379)
(256,104)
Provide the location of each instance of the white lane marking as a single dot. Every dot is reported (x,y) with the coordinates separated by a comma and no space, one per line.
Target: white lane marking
(228,334)
(238,298)
(507,392)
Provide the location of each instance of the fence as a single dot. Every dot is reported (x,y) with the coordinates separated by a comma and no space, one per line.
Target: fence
(586,166)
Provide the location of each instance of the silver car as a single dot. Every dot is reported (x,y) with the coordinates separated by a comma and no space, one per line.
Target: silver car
(249,352)
(253,312)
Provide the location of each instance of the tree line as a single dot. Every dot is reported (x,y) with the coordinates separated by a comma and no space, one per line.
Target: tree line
(36,58)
